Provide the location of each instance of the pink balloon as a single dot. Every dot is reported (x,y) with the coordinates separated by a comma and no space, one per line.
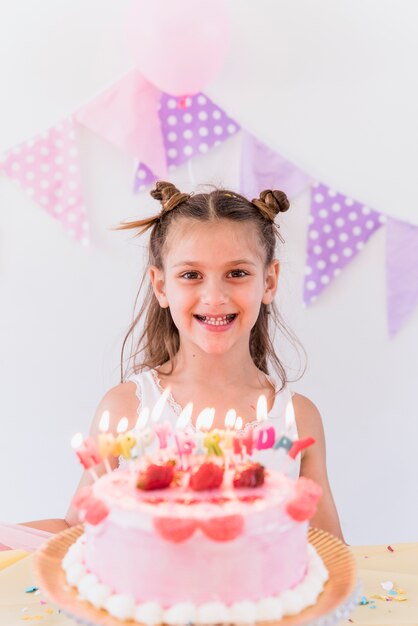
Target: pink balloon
(179,45)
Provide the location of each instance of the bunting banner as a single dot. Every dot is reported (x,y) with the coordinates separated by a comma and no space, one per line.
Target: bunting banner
(263,168)
(338,229)
(47,169)
(126,115)
(190,126)
(401,272)
(163,132)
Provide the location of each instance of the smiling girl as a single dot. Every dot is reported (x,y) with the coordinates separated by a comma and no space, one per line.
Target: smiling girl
(208,319)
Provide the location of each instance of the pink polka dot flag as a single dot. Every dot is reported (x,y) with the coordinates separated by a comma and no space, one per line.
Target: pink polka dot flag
(190,127)
(338,229)
(47,169)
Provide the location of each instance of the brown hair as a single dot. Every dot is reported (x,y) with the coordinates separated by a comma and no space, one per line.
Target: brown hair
(159,340)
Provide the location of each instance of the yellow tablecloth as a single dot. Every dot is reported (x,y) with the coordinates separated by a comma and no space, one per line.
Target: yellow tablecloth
(376,565)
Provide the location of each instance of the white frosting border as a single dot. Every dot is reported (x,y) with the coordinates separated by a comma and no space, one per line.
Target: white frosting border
(123,607)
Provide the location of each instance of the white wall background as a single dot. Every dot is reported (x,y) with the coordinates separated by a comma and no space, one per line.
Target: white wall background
(333,87)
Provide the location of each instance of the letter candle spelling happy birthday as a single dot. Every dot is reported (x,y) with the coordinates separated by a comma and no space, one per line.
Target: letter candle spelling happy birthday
(106,441)
(190,444)
(184,439)
(87,453)
(125,440)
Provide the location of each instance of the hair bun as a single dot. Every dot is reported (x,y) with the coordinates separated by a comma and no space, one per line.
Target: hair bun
(275,200)
(163,191)
(168,194)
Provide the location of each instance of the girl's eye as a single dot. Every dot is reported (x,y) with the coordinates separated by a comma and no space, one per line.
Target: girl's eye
(238,273)
(190,275)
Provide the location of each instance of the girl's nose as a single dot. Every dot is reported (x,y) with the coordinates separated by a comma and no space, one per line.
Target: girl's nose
(214,293)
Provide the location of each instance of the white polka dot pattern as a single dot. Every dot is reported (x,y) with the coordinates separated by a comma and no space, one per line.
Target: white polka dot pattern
(190,126)
(338,229)
(47,168)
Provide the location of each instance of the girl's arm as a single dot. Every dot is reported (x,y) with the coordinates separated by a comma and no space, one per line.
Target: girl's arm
(313,464)
(120,401)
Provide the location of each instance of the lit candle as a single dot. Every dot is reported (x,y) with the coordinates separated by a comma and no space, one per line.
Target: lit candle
(248,440)
(146,438)
(261,412)
(289,418)
(125,439)
(265,437)
(204,422)
(212,441)
(159,405)
(185,417)
(228,435)
(299,445)
(87,453)
(140,425)
(106,440)
(185,446)
(199,437)
(205,419)
(237,438)
(163,431)
(238,423)
(284,442)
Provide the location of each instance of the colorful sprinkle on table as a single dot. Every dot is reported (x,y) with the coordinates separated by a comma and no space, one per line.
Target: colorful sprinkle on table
(391,549)
(31,589)
(394,595)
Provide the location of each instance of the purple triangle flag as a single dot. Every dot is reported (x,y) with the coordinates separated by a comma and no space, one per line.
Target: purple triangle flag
(338,229)
(401,272)
(190,126)
(263,168)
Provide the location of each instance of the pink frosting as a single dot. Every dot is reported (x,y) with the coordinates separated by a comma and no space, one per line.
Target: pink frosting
(125,551)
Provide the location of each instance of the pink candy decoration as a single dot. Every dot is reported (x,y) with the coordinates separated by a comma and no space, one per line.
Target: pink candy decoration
(96,511)
(82,497)
(88,454)
(303,506)
(47,169)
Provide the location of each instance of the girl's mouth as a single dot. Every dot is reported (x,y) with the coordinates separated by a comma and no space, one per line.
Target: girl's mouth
(220,321)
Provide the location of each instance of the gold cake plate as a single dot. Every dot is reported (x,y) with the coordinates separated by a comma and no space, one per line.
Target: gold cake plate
(337,600)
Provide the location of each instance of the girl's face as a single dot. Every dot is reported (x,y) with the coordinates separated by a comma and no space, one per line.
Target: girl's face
(214,281)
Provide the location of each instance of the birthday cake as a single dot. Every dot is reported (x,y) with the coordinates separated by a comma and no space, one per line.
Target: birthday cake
(214,540)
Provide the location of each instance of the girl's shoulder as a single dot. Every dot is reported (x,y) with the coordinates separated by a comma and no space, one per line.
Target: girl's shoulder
(120,401)
(308,418)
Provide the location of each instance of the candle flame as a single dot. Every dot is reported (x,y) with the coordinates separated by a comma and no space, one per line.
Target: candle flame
(238,423)
(77,441)
(289,415)
(143,418)
(185,416)
(262,408)
(159,405)
(205,419)
(122,425)
(230,418)
(104,422)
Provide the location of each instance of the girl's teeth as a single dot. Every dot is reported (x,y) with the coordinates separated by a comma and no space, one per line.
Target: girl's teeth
(217,322)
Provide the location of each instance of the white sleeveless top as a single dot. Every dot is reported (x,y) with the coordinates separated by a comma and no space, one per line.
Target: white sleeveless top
(149,390)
